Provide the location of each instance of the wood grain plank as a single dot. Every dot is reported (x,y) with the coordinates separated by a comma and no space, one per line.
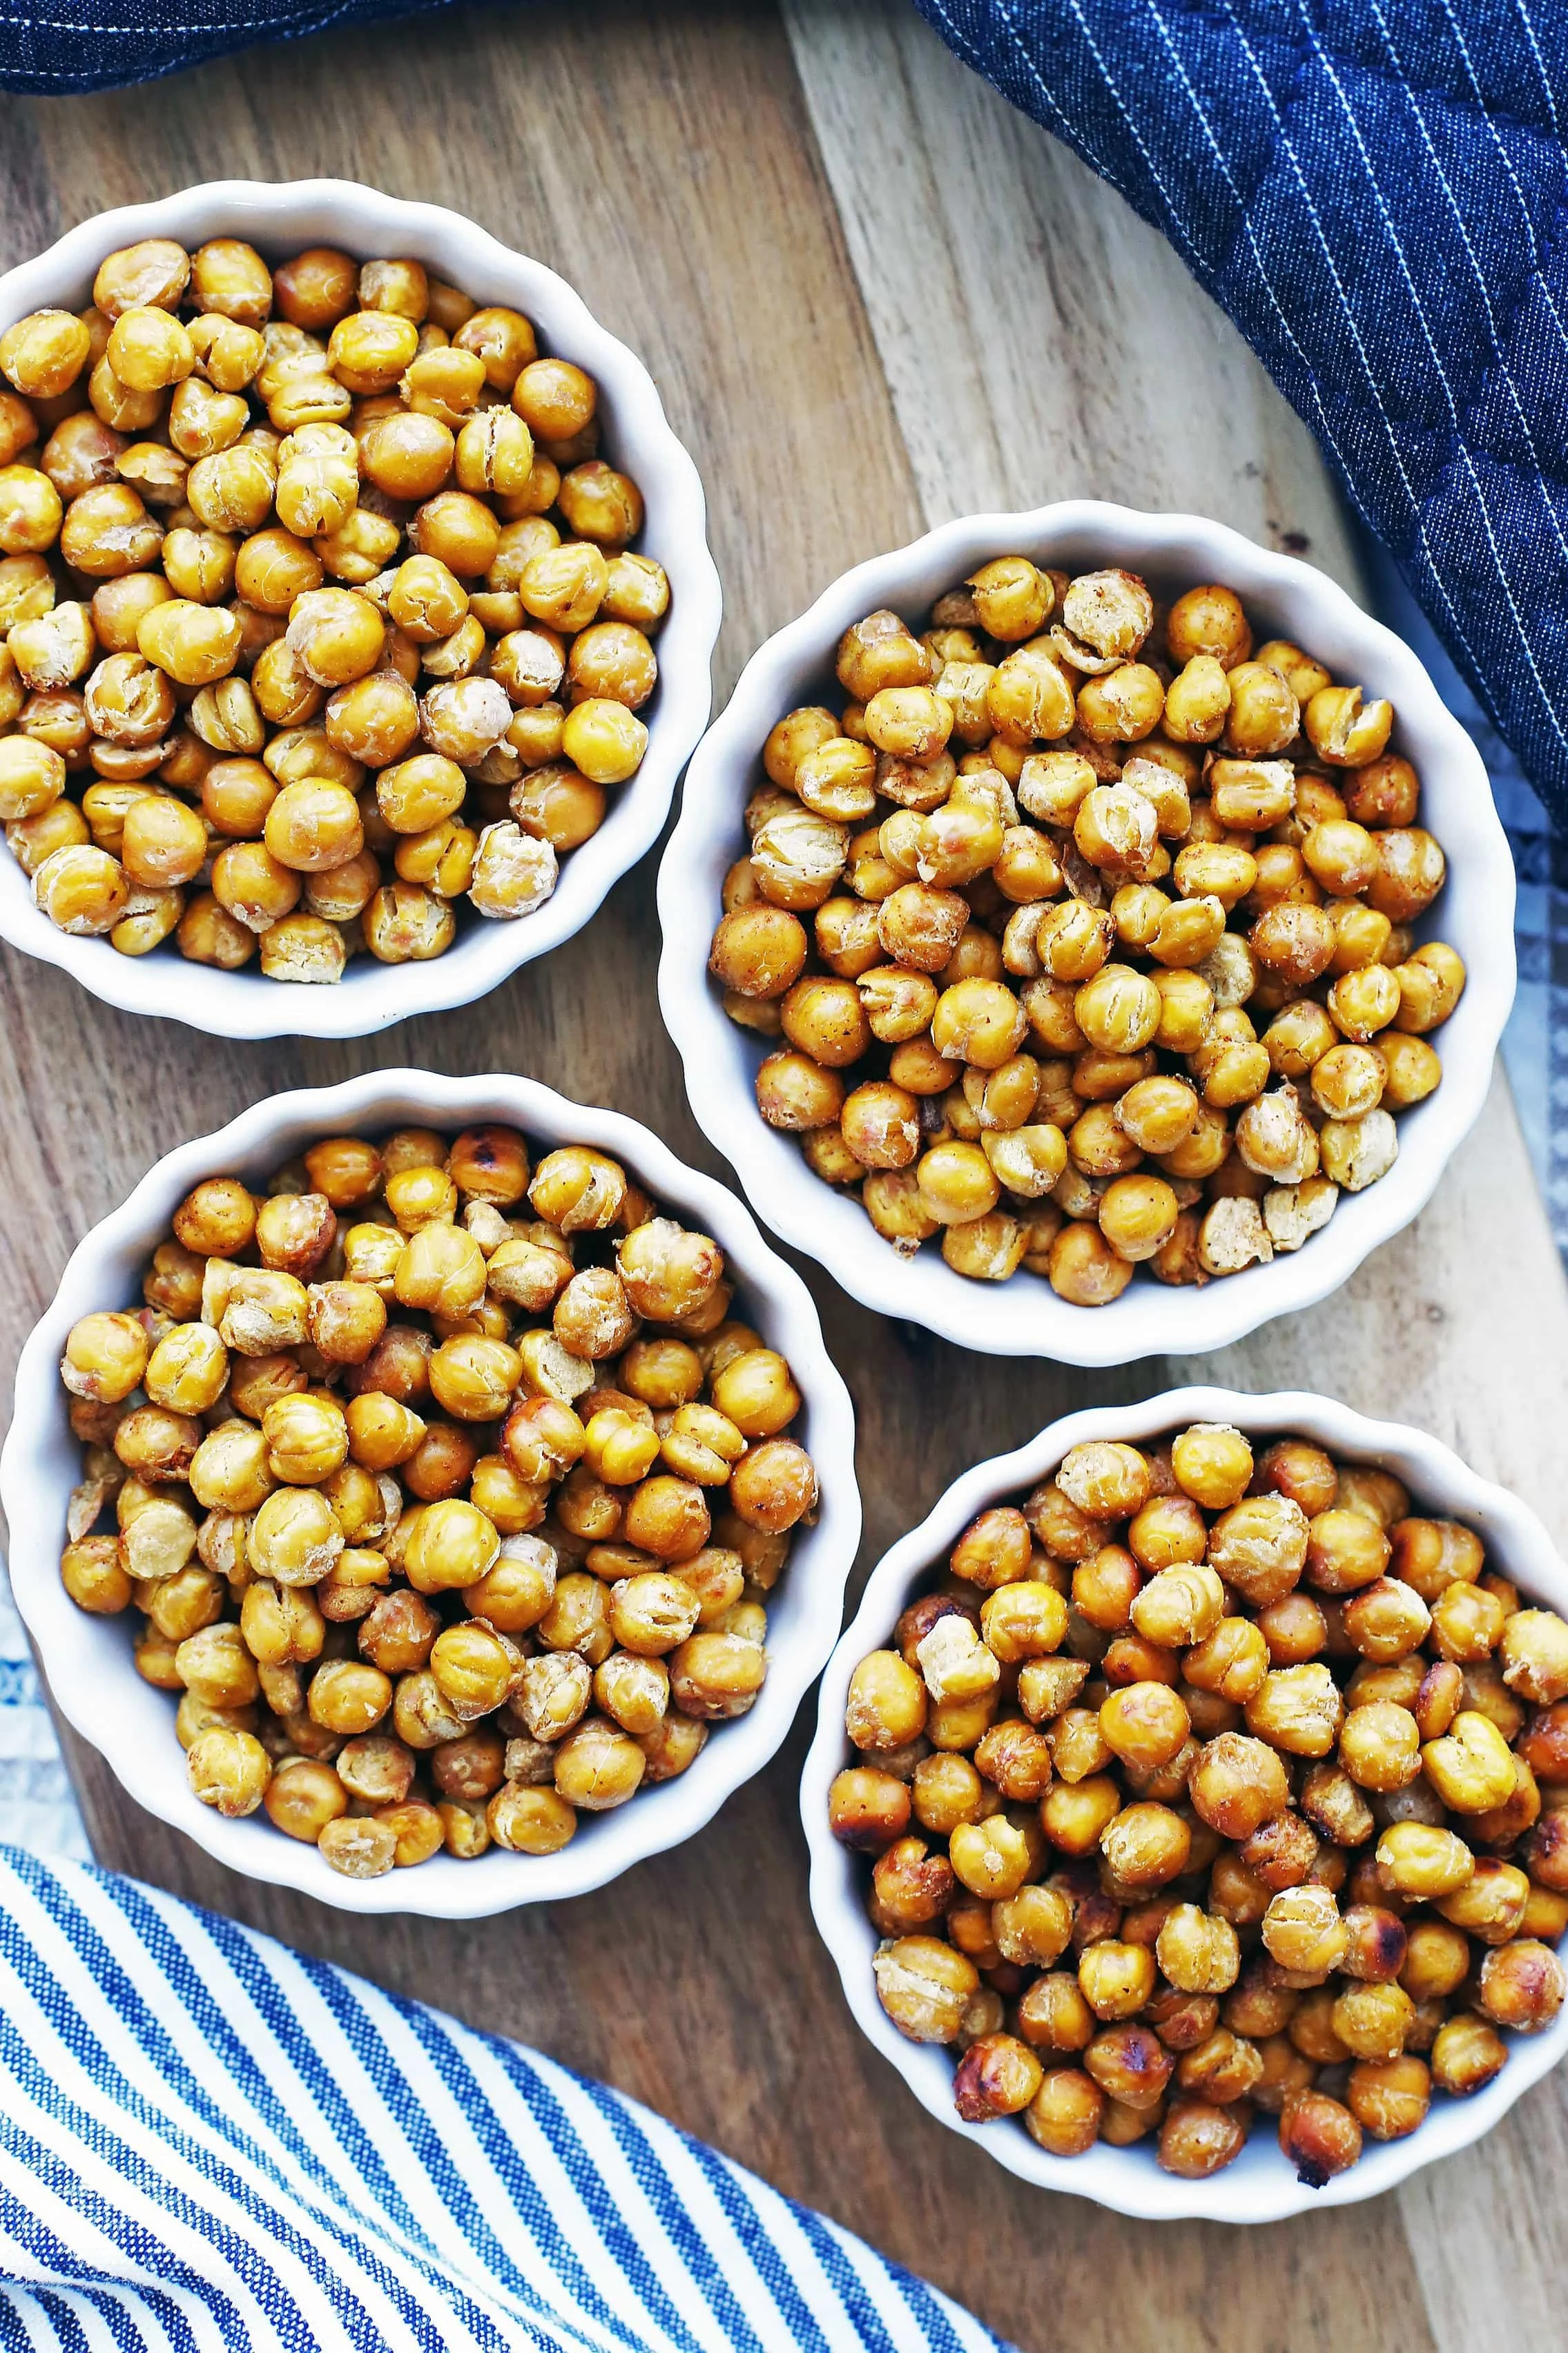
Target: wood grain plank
(1040,340)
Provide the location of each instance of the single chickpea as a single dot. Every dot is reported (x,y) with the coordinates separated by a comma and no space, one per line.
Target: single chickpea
(1319,2137)
(1472,1766)
(1237,1784)
(1389,2098)
(1303,1930)
(1466,2055)
(1521,1985)
(1490,1904)
(228,1770)
(1298,1709)
(1116,1980)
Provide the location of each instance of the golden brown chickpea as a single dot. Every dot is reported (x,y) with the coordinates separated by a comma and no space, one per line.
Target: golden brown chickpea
(1129,2062)
(867,1810)
(1066,2113)
(997,2076)
(1472,1766)
(228,1770)
(1146,1845)
(1466,2055)
(1319,2137)
(1521,1985)
(1298,1709)
(1380,1747)
(93,1576)
(1532,1649)
(1116,1980)
(1389,2097)
(1294,1630)
(1491,1904)
(1074,1815)
(1145,1724)
(1208,620)
(1237,1784)
(1197,2140)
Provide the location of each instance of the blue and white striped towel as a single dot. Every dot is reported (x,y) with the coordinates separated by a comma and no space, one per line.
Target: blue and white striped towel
(209,2144)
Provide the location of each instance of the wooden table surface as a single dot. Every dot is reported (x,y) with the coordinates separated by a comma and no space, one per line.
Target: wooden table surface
(872,297)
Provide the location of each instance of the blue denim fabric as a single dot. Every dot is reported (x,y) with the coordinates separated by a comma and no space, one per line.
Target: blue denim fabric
(54,48)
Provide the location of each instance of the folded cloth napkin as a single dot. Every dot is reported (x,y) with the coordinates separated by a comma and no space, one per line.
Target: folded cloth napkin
(208,2141)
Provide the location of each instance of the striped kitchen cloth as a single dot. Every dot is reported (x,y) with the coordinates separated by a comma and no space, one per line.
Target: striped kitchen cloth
(210,2144)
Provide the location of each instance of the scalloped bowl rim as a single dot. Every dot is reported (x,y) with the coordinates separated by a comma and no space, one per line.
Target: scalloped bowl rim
(371,997)
(1260,2186)
(87,1660)
(1024,1316)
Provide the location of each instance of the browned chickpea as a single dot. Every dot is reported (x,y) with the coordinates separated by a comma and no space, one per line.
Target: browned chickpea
(1466,2055)
(997,2076)
(1145,1724)
(1521,1985)
(1128,2062)
(1237,1784)
(759,950)
(1197,2140)
(1389,2097)
(555,400)
(867,1810)
(1066,2113)
(1319,2137)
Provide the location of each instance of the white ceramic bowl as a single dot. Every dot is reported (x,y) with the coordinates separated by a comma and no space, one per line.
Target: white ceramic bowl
(1260,2186)
(1025,1317)
(88,1659)
(279,219)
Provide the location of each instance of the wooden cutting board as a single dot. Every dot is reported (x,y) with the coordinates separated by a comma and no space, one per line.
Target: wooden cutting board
(873,297)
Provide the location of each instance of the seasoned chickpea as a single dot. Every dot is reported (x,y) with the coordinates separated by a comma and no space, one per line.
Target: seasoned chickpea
(1470,1766)
(1237,1784)
(1145,1724)
(1198,1951)
(228,1770)
(1319,2137)
(1303,1930)
(1466,2055)
(1116,1979)
(1521,1985)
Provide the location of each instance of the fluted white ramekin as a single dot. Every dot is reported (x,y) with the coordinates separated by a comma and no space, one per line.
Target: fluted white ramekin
(88,1659)
(279,219)
(1260,2186)
(1025,1317)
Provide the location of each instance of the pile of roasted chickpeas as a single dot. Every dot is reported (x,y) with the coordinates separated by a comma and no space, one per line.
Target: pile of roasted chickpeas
(1202,1788)
(1080,932)
(319,613)
(447,1487)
